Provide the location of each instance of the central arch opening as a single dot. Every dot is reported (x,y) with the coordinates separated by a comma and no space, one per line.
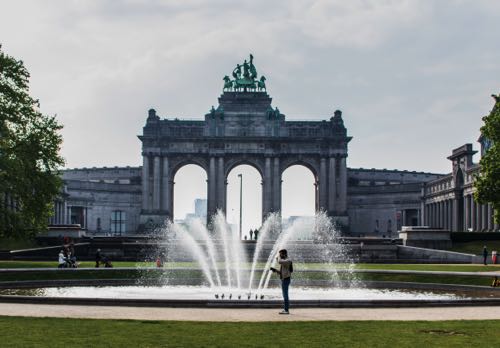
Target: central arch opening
(244,183)
(298,196)
(190,193)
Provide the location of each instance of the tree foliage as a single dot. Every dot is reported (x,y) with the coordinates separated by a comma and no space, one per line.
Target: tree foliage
(487,183)
(29,154)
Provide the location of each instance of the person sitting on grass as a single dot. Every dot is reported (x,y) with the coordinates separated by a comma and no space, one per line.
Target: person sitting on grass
(62,260)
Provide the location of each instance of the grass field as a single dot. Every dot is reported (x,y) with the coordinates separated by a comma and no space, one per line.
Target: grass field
(55,332)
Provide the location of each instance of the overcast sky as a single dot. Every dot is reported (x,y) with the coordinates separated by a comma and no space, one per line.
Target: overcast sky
(413,78)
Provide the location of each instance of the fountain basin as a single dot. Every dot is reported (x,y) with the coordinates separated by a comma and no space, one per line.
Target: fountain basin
(201,296)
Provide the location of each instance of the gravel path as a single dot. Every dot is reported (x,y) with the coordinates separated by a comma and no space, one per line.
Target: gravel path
(234,315)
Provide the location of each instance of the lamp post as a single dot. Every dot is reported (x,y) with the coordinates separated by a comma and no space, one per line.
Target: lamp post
(241,199)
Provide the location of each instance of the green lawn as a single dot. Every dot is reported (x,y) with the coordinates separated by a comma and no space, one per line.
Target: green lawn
(55,332)
(298,266)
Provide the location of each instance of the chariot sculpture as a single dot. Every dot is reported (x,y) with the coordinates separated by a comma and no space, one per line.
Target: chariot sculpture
(245,78)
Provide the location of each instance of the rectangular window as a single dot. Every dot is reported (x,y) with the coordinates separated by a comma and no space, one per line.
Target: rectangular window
(118,222)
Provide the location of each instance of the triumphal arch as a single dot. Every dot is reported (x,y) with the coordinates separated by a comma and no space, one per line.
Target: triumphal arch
(244,128)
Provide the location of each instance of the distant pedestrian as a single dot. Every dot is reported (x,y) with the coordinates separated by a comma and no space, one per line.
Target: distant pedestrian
(72,255)
(98,258)
(251,234)
(485,255)
(159,262)
(256,233)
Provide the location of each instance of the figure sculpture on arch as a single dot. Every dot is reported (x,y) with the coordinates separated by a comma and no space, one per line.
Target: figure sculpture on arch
(228,84)
(261,84)
(253,71)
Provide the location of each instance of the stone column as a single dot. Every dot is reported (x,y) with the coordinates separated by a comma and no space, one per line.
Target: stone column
(166,196)
(212,184)
(61,212)
(156,183)
(455,223)
(467,211)
(85,217)
(436,214)
(323,186)
(473,210)
(484,218)
(440,214)
(446,224)
(450,214)
(65,212)
(267,196)
(332,185)
(145,182)
(478,216)
(432,216)
(445,214)
(55,218)
(490,217)
(221,185)
(276,185)
(342,188)
(427,215)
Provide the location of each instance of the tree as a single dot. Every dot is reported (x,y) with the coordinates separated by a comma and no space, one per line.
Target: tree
(29,155)
(487,183)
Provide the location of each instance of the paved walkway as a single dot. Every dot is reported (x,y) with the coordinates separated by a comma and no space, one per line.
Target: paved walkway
(234,315)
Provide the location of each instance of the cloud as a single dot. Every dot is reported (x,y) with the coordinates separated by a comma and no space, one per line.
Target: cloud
(398,69)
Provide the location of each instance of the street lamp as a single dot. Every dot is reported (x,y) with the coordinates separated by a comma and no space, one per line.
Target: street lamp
(241,199)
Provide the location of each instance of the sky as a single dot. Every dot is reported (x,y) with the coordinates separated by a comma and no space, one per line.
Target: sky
(412,77)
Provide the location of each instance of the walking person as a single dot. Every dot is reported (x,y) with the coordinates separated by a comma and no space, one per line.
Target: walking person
(285,273)
(485,255)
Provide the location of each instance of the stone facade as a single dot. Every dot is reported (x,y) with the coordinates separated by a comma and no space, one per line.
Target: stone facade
(246,129)
(448,202)
(380,202)
(101,200)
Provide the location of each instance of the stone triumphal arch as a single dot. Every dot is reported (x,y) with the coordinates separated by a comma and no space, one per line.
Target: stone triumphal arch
(243,129)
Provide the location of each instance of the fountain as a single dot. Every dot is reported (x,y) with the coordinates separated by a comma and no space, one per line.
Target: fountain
(223,260)
(214,267)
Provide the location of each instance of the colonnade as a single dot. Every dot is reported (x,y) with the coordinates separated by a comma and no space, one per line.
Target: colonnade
(61,213)
(471,216)
(477,217)
(440,214)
